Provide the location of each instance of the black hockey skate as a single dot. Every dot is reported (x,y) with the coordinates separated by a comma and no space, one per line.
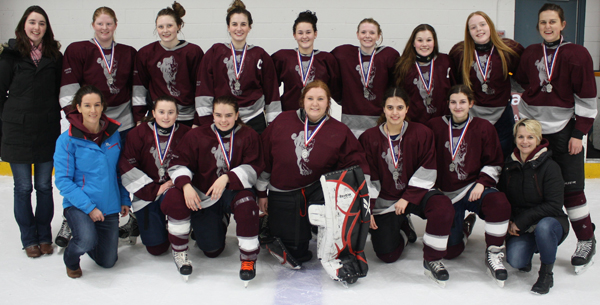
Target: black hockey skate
(412,235)
(247,271)
(493,261)
(184,266)
(264,234)
(280,252)
(469,224)
(64,234)
(130,231)
(436,271)
(584,254)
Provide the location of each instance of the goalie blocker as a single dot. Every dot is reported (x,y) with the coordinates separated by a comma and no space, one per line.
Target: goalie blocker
(343,220)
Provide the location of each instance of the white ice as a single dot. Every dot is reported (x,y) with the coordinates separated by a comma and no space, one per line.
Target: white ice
(139,278)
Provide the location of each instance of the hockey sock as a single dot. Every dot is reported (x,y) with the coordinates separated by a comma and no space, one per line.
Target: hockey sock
(158,249)
(440,214)
(496,211)
(245,213)
(579,215)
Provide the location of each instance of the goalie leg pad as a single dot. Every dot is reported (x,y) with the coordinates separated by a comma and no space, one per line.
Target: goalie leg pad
(343,224)
(280,252)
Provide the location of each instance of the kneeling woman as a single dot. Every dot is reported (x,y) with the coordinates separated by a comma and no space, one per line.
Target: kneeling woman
(300,146)
(213,170)
(401,158)
(534,186)
(85,163)
(144,162)
(469,161)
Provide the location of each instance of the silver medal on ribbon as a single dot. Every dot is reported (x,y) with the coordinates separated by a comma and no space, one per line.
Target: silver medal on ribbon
(366,93)
(484,87)
(428,100)
(452,167)
(237,85)
(304,153)
(395,175)
(549,88)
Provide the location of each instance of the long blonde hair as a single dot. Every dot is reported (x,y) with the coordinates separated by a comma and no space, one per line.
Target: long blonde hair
(469,46)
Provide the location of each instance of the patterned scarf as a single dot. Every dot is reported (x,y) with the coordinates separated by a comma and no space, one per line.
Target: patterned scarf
(36,53)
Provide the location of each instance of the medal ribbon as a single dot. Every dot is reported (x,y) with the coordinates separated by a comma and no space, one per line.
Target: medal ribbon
(238,66)
(362,72)
(229,156)
(307,139)
(162,154)
(453,149)
(550,69)
(487,64)
(427,85)
(112,55)
(310,63)
(395,158)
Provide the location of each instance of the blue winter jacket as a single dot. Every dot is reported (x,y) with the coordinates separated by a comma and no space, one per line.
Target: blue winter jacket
(86,174)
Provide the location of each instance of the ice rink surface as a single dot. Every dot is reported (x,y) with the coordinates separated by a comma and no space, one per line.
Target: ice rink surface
(139,278)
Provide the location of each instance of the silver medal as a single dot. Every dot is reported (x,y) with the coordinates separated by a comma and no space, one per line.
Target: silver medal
(484,87)
(237,85)
(304,153)
(110,80)
(549,88)
(428,100)
(366,93)
(161,172)
(395,175)
(452,167)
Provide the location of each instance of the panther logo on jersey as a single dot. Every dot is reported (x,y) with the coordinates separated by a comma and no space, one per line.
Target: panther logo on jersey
(112,77)
(302,152)
(459,160)
(483,60)
(230,66)
(541,67)
(387,156)
(168,67)
(369,95)
(423,92)
(311,74)
(220,158)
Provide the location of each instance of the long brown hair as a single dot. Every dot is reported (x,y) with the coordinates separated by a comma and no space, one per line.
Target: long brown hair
(50,48)
(409,55)
(389,93)
(469,48)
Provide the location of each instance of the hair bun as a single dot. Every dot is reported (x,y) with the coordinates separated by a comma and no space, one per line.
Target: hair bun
(178,8)
(236,4)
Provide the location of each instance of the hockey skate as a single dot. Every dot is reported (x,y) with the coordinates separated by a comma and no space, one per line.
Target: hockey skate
(280,252)
(247,272)
(64,234)
(412,235)
(184,266)
(582,259)
(436,271)
(130,231)
(469,224)
(493,261)
(264,234)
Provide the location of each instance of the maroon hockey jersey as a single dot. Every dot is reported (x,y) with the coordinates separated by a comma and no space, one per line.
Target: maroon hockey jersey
(423,105)
(324,67)
(415,150)
(83,65)
(478,159)
(200,159)
(290,165)
(256,90)
(573,88)
(171,72)
(490,103)
(140,162)
(362,106)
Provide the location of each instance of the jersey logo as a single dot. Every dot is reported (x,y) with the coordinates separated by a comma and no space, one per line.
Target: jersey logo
(483,59)
(541,67)
(220,159)
(369,95)
(111,77)
(459,160)
(302,153)
(427,100)
(259,64)
(387,156)
(230,66)
(168,67)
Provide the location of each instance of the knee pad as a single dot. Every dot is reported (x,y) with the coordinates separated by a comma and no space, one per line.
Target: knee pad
(343,222)
(495,207)
(158,249)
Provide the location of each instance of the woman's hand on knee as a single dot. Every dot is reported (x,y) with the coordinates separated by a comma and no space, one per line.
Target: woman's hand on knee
(191,197)
(96,215)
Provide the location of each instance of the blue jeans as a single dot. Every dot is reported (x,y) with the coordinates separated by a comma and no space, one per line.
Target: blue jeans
(544,239)
(35,229)
(98,239)
(152,224)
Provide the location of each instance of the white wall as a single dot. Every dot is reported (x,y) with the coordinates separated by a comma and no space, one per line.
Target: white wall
(273,19)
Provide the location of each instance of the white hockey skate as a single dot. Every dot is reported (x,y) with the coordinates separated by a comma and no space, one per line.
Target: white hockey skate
(64,234)
(583,258)
(493,261)
(436,271)
(184,266)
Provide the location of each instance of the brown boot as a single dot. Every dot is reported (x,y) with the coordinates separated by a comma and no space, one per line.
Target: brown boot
(33,251)
(74,273)
(46,248)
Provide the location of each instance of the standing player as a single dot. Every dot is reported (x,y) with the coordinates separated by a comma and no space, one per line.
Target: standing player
(365,73)
(425,74)
(469,162)
(297,68)
(483,62)
(167,67)
(208,189)
(242,70)
(144,162)
(401,158)
(106,65)
(560,92)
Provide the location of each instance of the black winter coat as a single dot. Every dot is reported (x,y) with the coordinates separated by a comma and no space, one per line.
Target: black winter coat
(535,189)
(29,106)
